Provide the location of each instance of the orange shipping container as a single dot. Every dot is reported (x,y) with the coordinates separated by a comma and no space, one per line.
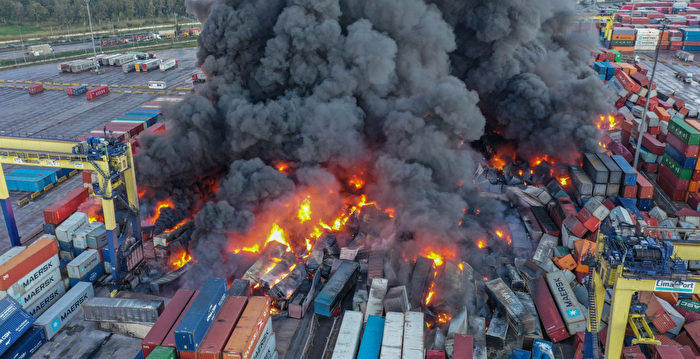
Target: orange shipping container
(30,258)
(623,48)
(628,68)
(667,296)
(565,262)
(583,247)
(693,186)
(248,330)
(662,113)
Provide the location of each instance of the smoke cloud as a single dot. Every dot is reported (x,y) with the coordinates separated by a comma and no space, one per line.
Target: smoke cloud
(390,89)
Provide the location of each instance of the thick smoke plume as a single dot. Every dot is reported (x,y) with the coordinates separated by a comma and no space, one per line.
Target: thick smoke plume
(384,88)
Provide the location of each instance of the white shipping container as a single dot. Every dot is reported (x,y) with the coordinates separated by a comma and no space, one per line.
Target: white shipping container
(40,288)
(83,263)
(35,276)
(348,336)
(392,338)
(41,304)
(263,341)
(65,230)
(375,301)
(11,253)
(270,352)
(80,237)
(168,64)
(65,309)
(413,336)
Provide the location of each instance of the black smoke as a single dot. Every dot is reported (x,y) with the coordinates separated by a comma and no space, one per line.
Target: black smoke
(392,87)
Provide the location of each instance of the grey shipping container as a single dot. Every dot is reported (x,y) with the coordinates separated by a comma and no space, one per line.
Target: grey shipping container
(565,298)
(44,302)
(122,310)
(83,263)
(582,182)
(65,309)
(614,171)
(497,331)
(594,168)
(514,310)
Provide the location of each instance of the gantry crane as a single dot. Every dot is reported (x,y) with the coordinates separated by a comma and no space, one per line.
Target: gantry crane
(639,264)
(110,159)
(609,22)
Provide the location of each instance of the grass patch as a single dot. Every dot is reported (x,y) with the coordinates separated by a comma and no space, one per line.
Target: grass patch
(16,30)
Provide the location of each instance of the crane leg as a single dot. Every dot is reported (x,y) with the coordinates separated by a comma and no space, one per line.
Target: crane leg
(617,324)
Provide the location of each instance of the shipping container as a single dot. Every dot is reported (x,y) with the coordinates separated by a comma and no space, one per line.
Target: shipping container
(15,322)
(513,309)
(166,320)
(327,303)
(239,288)
(169,340)
(162,353)
(214,342)
(464,347)
(29,181)
(83,263)
(76,90)
(80,236)
(11,253)
(128,67)
(614,171)
(27,345)
(371,343)
(63,208)
(50,296)
(65,309)
(349,335)
(629,174)
(392,339)
(168,64)
(190,332)
(35,89)
(122,310)
(267,337)
(497,330)
(551,319)
(375,300)
(569,307)
(40,287)
(91,276)
(249,329)
(413,338)
(594,168)
(35,256)
(97,238)
(97,92)
(65,231)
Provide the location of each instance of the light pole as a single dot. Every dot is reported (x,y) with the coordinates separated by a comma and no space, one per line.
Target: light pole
(92,36)
(643,122)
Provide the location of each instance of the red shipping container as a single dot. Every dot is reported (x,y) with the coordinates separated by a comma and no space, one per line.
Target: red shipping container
(464,347)
(589,221)
(575,226)
(684,148)
(632,352)
(644,188)
(619,149)
(24,262)
(679,103)
(652,144)
(661,112)
(63,208)
(629,191)
(166,320)
(685,340)
(87,177)
(649,167)
(169,340)
(696,175)
(549,314)
(694,201)
(627,82)
(654,130)
(436,354)
(186,355)
(670,178)
(684,111)
(609,204)
(35,89)
(97,92)
(132,128)
(641,68)
(693,330)
(640,79)
(675,195)
(687,352)
(221,329)
(667,352)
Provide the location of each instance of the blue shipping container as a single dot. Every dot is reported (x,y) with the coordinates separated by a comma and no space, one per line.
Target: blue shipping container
(542,349)
(27,345)
(691,48)
(645,204)
(8,308)
(14,326)
(519,354)
(29,183)
(685,162)
(328,300)
(371,343)
(91,276)
(195,323)
(630,175)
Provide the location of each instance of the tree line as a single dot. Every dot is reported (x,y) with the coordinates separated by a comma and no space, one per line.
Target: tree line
(74,12)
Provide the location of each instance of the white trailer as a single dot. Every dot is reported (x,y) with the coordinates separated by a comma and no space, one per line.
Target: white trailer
(157,85)
(685,56)
(349,336)
(375,301)
(168,64)
(392,339)
(121,59)
(129,66)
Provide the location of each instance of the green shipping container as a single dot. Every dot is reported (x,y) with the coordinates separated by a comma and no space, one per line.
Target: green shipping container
(622,43)
(684,131)
(162,353)
(618,55)
(676,168)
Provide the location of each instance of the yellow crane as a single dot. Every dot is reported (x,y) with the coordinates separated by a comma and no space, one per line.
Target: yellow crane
(625,285)
(110,159)
(609,22)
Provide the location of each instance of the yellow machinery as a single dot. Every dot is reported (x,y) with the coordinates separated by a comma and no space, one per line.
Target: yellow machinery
(625,286)
(608,27)
(111,160)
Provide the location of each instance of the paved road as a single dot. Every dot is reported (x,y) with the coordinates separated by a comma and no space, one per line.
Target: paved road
(666,80)
(17,54)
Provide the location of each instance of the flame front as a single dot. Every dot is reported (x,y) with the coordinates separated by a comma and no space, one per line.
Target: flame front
(305,210)
(183,259)
(564,181)
(481,244)
(444,317)
(277,235)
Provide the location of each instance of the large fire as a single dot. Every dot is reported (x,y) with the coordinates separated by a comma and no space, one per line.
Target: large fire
(606,122)
(182,259)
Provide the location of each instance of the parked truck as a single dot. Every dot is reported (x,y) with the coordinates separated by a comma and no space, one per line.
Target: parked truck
(686,77)
(199,77)
(685,56)
(39,50)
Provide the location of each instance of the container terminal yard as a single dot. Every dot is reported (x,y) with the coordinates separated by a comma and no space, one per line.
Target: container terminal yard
(275,193)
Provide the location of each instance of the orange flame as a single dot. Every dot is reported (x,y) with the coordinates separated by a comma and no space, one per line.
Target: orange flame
(443,317)
(180,224)
(277,235)
(93,219)
(283,167)
(183,259)
(460,266)
(497,162)
(431,293)
(356,182)
(305,210)
(253,249)
(499,233)
(481,244)
(564,181)
(438,260)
